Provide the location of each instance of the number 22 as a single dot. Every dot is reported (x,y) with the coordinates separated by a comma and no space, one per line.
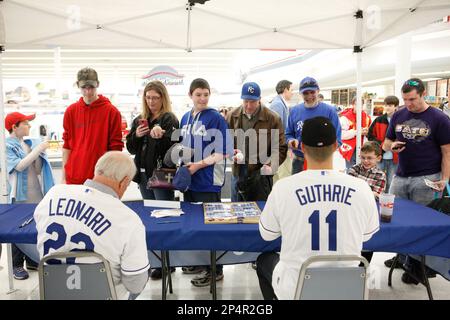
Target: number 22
(61,240)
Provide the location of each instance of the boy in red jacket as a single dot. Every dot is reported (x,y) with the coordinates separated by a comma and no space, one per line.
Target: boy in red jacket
(377,132)
(92,126)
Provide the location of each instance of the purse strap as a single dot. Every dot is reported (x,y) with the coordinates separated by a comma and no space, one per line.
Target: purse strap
(159,163)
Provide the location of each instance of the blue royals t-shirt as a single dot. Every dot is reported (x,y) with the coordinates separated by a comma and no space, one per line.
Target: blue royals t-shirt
(207,133)
(424,134)
(299,114)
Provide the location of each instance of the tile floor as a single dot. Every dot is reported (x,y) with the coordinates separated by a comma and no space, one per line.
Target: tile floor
(241,282)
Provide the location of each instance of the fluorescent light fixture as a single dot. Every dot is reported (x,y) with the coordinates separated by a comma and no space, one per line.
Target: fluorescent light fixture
(431,73)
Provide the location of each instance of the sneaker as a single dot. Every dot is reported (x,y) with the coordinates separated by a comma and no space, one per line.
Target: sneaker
(32,266)
(156,274)
(20,273)
(192,270)
(202,274)
(406,278)
(388,263)
(206,280)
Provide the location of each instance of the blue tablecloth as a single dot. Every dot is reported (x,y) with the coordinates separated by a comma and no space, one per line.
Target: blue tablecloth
(414,229)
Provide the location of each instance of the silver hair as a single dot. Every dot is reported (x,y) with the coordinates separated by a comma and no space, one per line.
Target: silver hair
(115,165)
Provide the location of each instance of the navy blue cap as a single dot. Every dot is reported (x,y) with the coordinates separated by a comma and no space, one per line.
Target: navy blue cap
(251,91)
(182,179)
(308,83)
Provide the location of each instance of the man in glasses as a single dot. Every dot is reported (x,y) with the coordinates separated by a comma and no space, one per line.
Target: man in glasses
(419,134)
(92,126)
(310,108)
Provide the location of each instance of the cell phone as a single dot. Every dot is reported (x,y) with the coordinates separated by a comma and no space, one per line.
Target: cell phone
(431,184)
(143,122)
(399,146)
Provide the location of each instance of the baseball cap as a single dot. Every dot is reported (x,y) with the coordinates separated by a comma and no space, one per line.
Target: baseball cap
(177,154)
(87,77)
(182,179)
(308,83)
(318,132)
(14,117)
(251,91)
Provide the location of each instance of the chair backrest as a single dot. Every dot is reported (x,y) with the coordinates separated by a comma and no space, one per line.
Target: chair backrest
(75,281)
(332,282)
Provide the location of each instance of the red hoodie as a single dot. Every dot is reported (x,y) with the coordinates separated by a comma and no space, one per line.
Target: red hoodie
(89,132)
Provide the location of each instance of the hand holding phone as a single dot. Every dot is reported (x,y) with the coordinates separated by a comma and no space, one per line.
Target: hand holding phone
(398,146)
(142,129)
(432,184)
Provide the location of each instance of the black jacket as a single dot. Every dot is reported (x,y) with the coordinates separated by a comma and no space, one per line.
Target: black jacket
(147,150)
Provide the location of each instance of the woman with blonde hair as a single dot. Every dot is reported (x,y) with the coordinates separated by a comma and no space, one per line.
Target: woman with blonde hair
(149,139)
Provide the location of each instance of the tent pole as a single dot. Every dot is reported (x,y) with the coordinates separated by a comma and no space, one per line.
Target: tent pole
(188,37)
(358,50)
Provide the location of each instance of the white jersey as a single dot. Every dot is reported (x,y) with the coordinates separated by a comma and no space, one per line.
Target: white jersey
(317,212)
(81,217)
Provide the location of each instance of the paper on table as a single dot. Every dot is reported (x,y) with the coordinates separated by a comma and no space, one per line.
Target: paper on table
(161,213)
(162,204)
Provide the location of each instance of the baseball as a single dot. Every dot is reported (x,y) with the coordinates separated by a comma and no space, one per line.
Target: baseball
(239,156)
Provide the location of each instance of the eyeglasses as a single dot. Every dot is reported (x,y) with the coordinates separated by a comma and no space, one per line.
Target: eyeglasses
(154,98)
(363,158)
(308,92)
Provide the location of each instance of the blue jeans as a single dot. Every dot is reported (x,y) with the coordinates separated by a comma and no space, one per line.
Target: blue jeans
(24,251)
(193,196)
(297,165)
(389,168)
(414,188)
(154,194)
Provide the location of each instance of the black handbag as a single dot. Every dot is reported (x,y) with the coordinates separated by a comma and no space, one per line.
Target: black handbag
(162,178)
(442,204)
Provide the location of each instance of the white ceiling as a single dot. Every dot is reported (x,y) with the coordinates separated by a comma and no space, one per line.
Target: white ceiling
(124,42)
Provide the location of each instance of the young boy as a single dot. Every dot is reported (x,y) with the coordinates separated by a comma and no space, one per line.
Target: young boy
(204,130)
(377,132)
(368,170)
(30,175)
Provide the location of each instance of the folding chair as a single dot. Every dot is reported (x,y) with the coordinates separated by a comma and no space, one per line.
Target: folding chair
(332,282)
(61,277)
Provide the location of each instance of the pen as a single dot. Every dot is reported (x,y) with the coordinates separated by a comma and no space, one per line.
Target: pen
(26,222)
(162,222)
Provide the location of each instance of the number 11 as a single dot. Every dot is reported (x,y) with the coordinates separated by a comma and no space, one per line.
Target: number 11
(315,230)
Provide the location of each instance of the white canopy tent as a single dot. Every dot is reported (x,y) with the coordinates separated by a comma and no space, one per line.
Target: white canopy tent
(216,24)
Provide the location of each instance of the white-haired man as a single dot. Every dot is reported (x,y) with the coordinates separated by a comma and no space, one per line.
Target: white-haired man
(91,217)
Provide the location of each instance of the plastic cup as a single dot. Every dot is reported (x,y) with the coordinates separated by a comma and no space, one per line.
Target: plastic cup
(386,206)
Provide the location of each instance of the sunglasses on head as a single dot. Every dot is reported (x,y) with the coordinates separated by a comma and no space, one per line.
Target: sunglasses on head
(412,83)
